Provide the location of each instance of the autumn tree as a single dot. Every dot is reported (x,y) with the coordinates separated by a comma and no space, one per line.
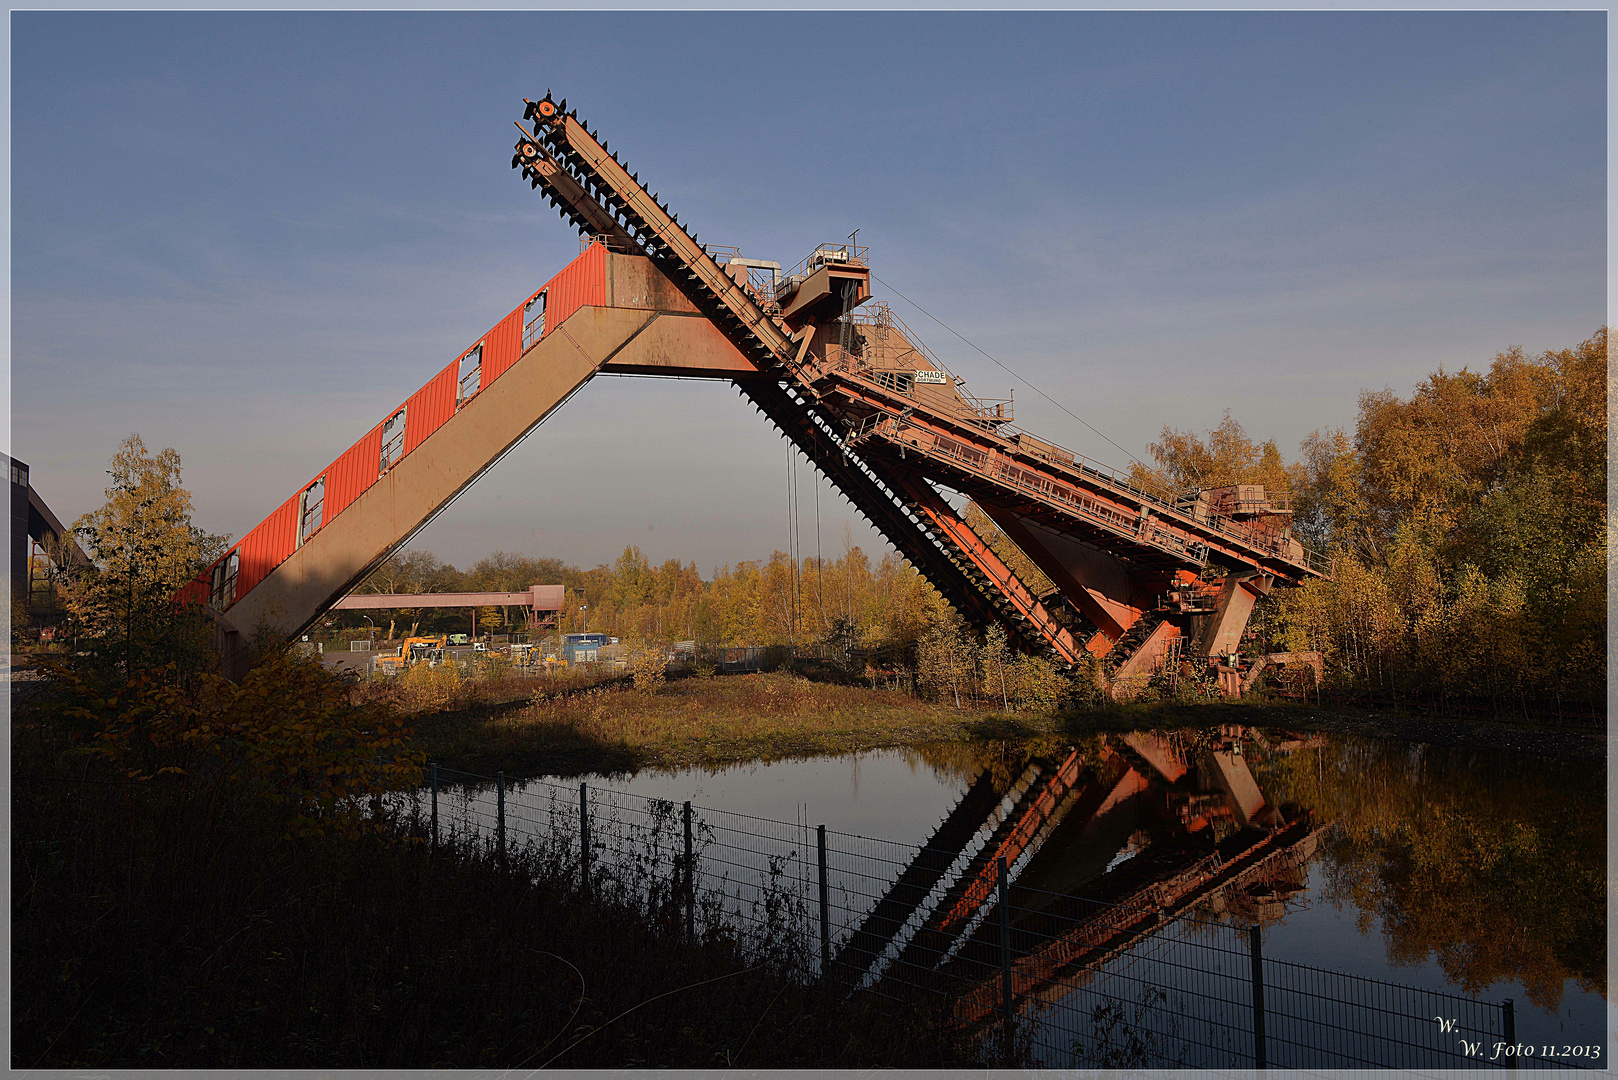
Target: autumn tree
(1225,455)
(1331,512)
(1469,526)
(144,550)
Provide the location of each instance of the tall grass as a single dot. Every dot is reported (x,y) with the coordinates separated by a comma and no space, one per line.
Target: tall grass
(695,721)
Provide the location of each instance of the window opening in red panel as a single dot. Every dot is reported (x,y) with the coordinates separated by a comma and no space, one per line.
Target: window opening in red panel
(471,374)
(533,321)
(393,433)
(311,509)
(223,593)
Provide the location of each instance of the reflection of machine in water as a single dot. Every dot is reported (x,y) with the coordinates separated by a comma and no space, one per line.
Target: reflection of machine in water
(1102,849)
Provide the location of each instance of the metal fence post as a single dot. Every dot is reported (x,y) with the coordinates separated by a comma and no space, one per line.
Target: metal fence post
(1005,958)
(584,841)
(825,907)
(435,805)
(500,799)
(1508,1015)
(690,883)
(1255,945)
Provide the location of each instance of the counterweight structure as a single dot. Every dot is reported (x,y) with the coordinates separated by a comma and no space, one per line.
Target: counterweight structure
(1141,579)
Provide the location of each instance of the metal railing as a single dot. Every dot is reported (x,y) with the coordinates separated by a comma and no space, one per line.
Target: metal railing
(1031,976)
(1074,499)
(830,255)
(991,416)
(763,282)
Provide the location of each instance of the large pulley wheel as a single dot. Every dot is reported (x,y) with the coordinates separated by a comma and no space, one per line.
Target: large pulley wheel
(547,109)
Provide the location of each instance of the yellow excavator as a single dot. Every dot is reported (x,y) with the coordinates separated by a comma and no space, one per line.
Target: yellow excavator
(413,650)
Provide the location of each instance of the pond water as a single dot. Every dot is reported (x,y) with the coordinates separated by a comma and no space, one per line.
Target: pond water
(1449,869)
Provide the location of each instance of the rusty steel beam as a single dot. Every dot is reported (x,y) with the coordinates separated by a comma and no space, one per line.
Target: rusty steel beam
(1094,582)
(682,347)
(1141,664)
(1133,521)
(1027,605)
(1223,633)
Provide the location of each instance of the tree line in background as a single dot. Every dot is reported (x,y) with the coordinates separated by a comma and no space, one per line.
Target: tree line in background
(1467,529)
(760,602)
(885,612)
(1466,526)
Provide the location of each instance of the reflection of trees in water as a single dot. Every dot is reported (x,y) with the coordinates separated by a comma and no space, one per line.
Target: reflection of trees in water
(1493,866)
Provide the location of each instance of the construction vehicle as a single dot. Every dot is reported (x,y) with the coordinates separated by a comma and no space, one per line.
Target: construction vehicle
(414,650)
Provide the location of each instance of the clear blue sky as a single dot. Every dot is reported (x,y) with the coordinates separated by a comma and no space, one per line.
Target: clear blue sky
(250,236)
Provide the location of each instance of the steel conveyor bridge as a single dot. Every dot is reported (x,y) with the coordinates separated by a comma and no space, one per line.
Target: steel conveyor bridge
(1141,578)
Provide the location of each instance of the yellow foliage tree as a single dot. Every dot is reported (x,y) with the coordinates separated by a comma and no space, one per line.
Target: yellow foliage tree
(145,550)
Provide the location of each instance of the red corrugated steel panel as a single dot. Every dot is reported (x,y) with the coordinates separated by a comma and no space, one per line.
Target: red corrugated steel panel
(428,408)
(267,546)
(197,591)
(582,283)
(349,476)
(502,346)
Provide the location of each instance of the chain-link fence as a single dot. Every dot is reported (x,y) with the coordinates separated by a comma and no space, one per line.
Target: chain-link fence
(1036,977)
